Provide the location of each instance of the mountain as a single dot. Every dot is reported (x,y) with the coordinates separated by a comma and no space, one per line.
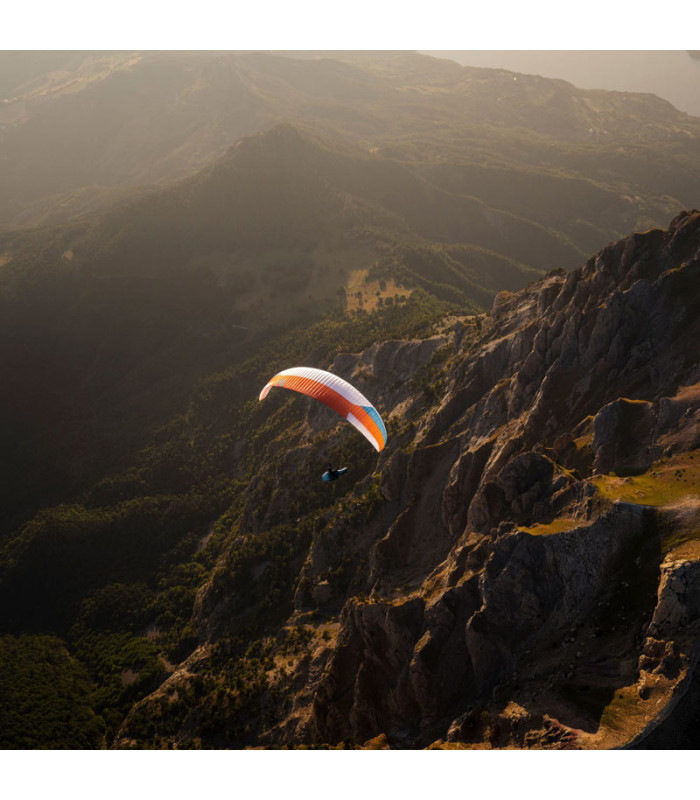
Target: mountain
(670,74)
(168,553)
(78,129)
(518,568)
(107,321)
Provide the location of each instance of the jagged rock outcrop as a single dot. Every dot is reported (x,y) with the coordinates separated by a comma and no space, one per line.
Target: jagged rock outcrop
(605,350)
(521,569)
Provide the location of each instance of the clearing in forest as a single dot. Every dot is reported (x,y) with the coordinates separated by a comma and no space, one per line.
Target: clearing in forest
(369,295)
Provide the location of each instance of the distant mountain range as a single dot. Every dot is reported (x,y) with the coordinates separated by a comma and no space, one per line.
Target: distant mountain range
(667,73)
(76,128)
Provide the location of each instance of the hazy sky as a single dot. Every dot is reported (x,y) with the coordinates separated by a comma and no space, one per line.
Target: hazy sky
(671,74)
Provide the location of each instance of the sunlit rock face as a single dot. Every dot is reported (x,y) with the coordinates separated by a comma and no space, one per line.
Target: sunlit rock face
(521,567)
(528,586)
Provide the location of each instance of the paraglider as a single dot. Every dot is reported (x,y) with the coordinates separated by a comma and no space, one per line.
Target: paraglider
(333,474)
(338,395)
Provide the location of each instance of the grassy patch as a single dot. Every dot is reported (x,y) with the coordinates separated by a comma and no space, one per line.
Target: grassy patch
(558,525)
(369,295)
(625,712)
(667,481)
(680,531)
(684,543)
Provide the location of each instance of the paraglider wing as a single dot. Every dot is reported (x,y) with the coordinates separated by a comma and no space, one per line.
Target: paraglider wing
(336,394)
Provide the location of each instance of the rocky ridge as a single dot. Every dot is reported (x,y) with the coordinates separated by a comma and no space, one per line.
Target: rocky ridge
(522,566)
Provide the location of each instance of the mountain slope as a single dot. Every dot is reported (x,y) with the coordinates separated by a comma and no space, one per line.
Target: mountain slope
(107,322)
(165,541)
(519,568)
(102,122)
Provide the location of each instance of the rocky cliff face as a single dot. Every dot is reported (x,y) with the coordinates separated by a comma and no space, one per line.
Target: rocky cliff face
(522,567)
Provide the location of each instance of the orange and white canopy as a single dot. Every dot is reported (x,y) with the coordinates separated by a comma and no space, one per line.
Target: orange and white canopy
(336,394)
